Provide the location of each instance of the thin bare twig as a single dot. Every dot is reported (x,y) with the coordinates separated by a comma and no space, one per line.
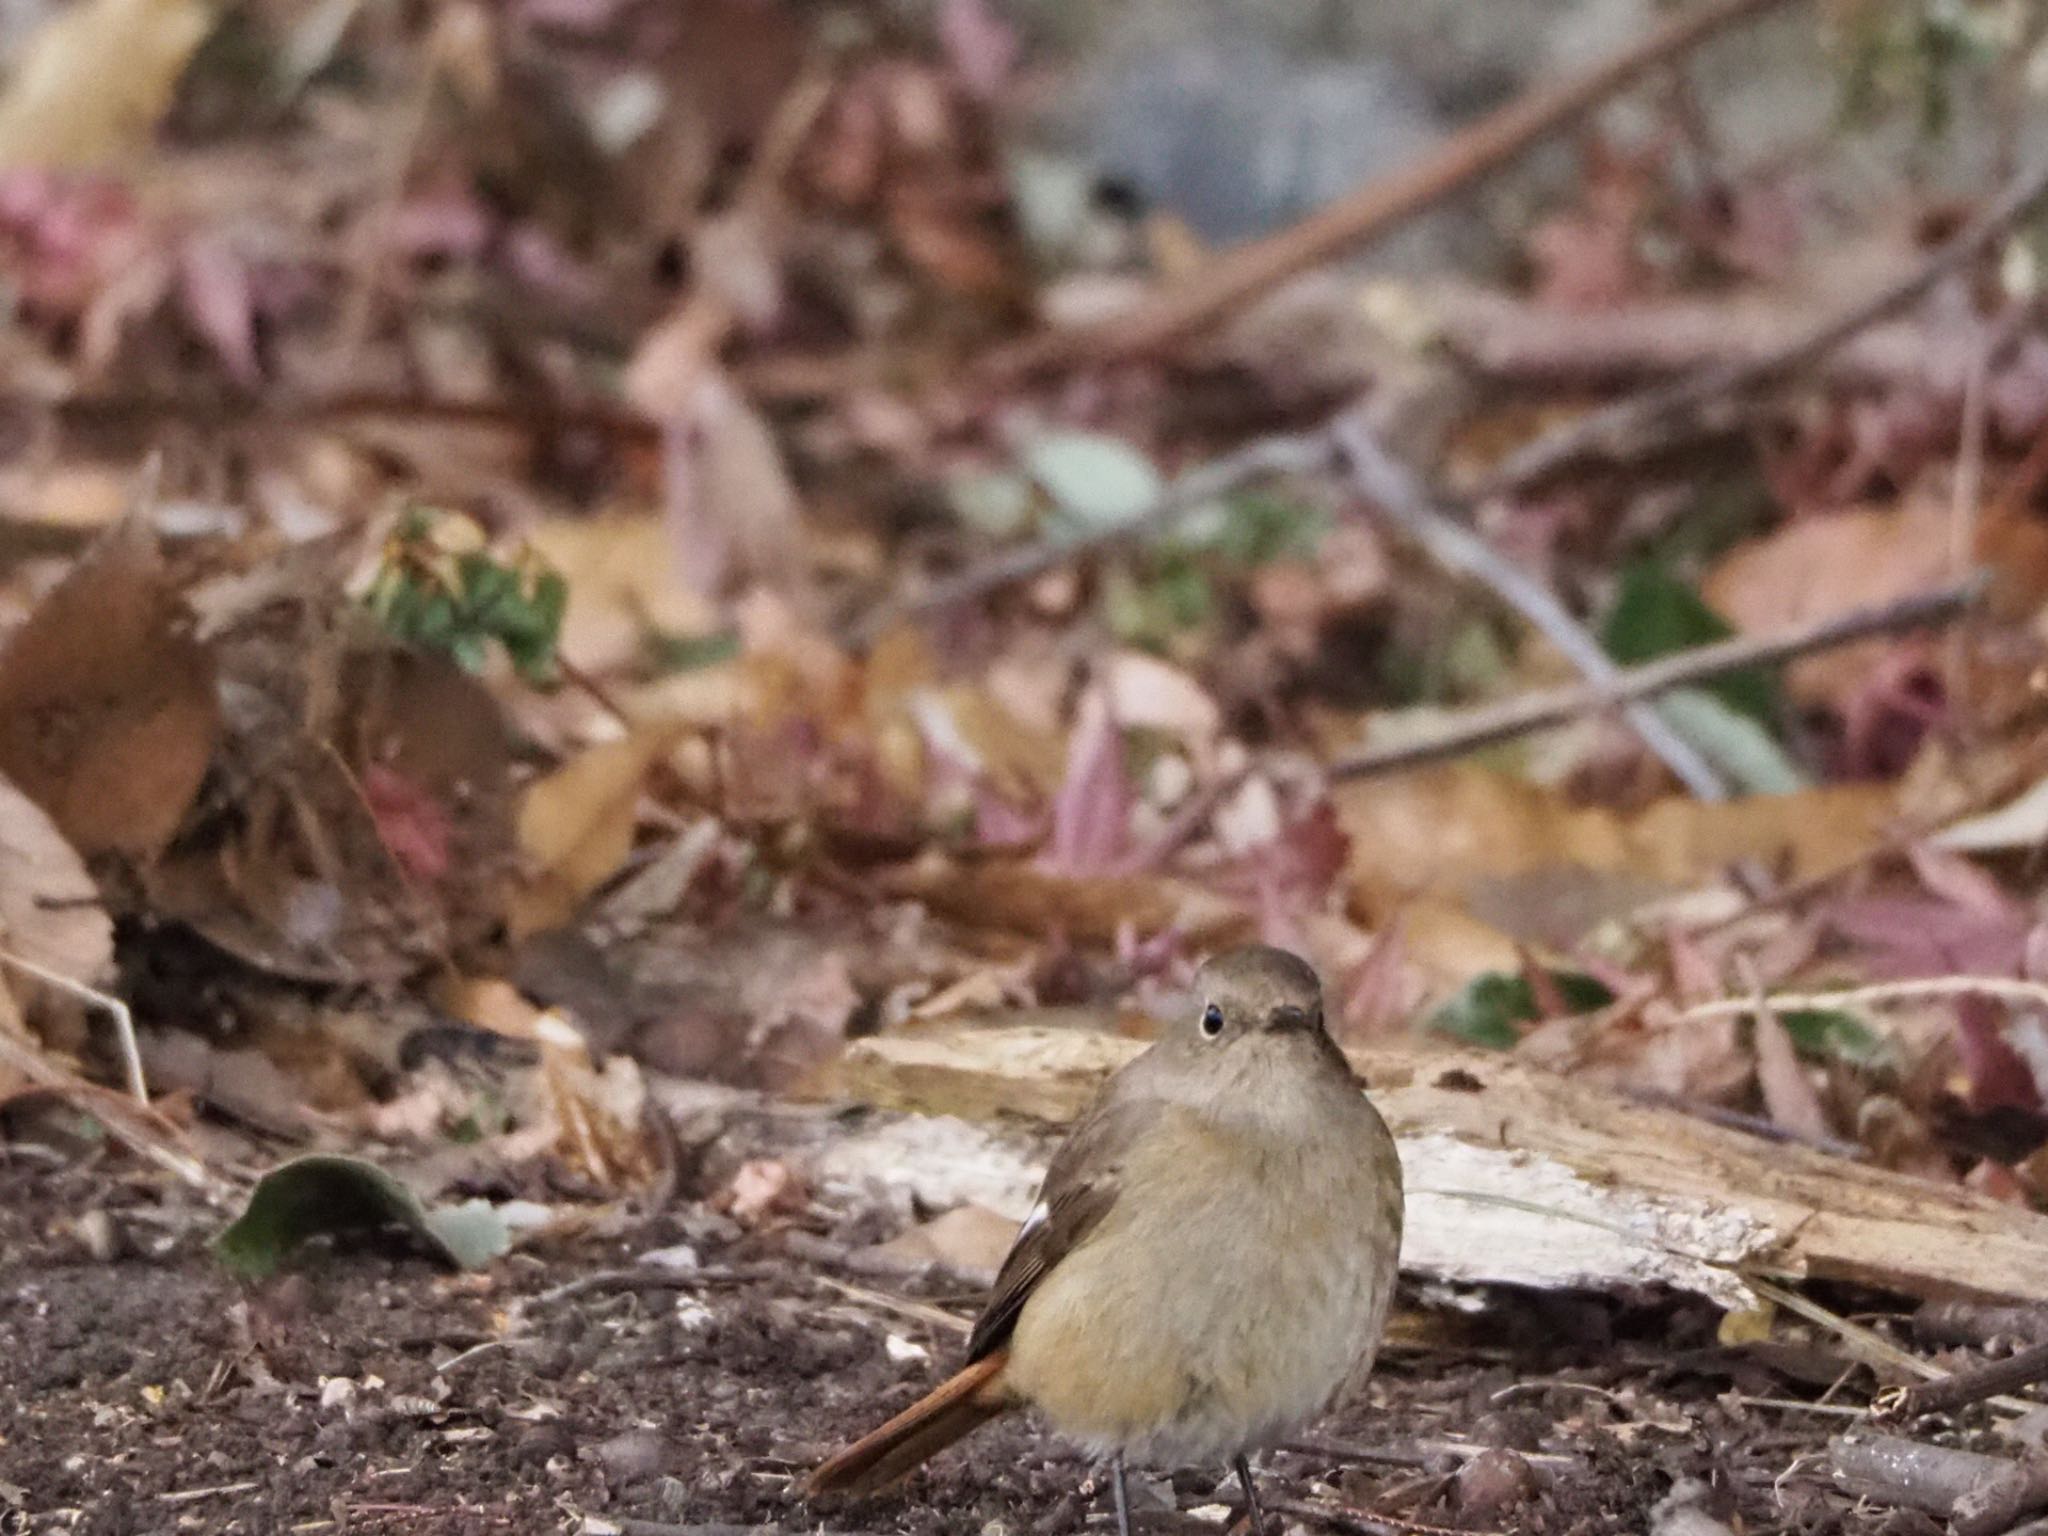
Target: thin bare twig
(1721,392)
(1401,497)
(1197,488)
(1378,207)
(2024,1368)
(1472,729)
(106,1002)
(1883,994)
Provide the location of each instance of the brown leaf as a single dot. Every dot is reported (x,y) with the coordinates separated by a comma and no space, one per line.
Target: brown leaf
(1452,829)
(1788,1092)
(576,826)
(1826,564)
(1091,814)
(969,1240)
(761,1188)
(49,908)
(108,713)
(95,78)
(308,863)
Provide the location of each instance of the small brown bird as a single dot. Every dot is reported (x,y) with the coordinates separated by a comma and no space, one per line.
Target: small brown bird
(1210,1259)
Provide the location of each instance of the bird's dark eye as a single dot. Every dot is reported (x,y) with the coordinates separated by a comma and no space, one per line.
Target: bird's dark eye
(1212,1021)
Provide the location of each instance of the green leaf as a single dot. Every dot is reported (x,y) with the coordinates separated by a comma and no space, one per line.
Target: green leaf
(1253,529)
(692,653)
(997,503)
(1827,1032)
(1487,1010)
(327,1195)
(1656,614)
(1491,1006)
(1735,743)
(1096,481)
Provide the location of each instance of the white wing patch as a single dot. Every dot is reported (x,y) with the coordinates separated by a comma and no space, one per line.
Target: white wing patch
(1033,1221)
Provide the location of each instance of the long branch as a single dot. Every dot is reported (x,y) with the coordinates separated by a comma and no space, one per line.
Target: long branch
(1612,431)
(1401,497)
(1377,207)
(1472,729)
(1189,493)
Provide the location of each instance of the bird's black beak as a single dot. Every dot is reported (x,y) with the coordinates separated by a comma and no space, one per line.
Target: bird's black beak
(1288,1020)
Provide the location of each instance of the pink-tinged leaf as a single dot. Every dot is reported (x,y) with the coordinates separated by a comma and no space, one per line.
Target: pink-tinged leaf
(1998,1075)
(980,46)
(1301,863)
(215,293)
(1999,1182)
(1378,995)
(1961,883)
(762,1189)
(1925,936)
(1147,958)
(586,18)
(1695,975)
(1888,713)
(542,263)
(1789,1095)
(1000,824)
(2016,396)
(450,223)
(1091,813)
(412,825)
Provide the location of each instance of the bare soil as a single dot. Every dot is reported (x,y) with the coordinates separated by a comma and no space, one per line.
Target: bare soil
(145,1389)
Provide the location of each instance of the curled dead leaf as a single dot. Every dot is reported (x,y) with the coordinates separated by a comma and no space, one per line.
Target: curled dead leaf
(50,912)
(762,1188)
(95,79)
(108,715)
(576,826)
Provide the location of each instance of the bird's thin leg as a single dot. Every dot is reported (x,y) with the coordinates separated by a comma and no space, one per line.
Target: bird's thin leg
(1255,1519)
(1116,1485)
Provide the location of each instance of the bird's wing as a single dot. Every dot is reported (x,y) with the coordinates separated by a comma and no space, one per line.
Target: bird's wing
(1080,1187)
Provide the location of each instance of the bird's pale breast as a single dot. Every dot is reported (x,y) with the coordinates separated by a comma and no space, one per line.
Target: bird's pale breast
(1239,1282)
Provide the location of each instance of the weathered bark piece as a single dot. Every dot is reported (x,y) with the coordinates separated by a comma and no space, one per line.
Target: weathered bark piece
(1623,1194)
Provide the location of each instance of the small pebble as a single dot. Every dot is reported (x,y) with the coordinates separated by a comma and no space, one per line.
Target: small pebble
(634,1455)
(1495,1483)
(100,1236)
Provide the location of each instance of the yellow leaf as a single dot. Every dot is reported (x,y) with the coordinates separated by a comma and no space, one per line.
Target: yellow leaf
(576,825)
(1447,830)
(96,79)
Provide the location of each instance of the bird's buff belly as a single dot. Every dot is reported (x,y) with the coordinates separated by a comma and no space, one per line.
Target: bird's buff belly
(1206,1336)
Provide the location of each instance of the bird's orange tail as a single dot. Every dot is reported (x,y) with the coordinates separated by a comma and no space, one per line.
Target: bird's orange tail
(963,1402)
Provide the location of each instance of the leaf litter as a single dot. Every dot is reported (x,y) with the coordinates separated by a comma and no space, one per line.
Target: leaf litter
(476,758)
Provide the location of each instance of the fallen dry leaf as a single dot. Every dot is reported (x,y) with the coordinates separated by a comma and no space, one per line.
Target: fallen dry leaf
(1091,814)
(96,78)
(598,1114)
(50,912)
(624,584)
(1826,564)
(761,1188)
(108,714)
(1451,829)
(969,1240)
(1789,1094)
(575,826)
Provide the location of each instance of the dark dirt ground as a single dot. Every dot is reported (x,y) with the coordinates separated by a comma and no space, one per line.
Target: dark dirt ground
(150,1391)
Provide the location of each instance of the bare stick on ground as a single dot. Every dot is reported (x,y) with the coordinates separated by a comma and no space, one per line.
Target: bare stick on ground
(1190,492)
(1888,1470)
(2028,1367)
(1883,994)
(1401,497)
(1720,393)
(1378,207)
(1475,728)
